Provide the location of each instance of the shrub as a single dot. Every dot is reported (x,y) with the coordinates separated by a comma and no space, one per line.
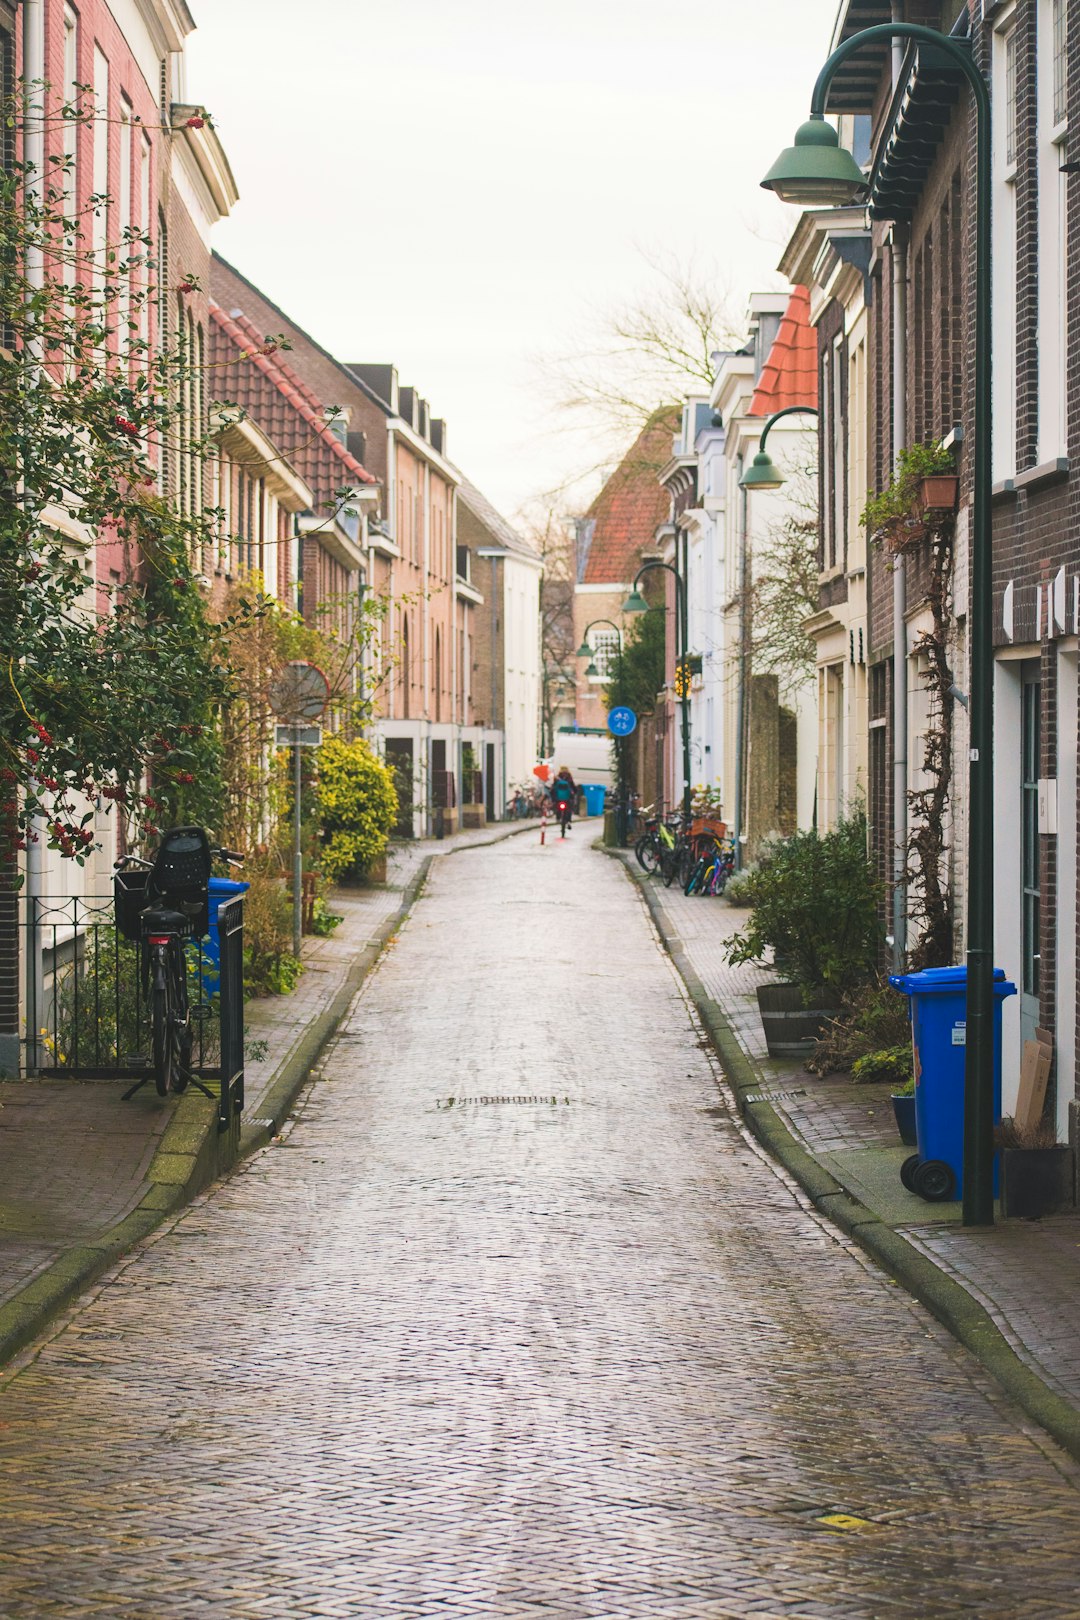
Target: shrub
(357,807)
(893,1065)
(739,884)
(872,1018)
(270,968)
(815,906)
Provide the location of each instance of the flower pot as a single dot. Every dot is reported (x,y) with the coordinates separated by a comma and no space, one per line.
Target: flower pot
(903,1107)
(791,1026)
(1036,1181)
(939,492)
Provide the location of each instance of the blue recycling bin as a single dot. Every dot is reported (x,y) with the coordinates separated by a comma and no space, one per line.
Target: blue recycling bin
(594,797)
(937,1004)
(219,890)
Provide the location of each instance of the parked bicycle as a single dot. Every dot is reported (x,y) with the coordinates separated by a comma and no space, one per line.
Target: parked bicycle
(164,904)
(657,841)
(712,869)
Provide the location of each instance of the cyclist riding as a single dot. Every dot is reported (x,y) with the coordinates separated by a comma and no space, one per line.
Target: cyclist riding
(563,794)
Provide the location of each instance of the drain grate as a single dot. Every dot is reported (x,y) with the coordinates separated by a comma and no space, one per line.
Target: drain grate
(475,1102)
(773,1096)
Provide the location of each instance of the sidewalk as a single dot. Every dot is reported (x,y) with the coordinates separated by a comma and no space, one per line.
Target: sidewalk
(83,1175)
(1010,1292)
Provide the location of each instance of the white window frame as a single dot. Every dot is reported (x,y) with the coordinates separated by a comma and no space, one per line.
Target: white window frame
(1052,137)
(1003,256)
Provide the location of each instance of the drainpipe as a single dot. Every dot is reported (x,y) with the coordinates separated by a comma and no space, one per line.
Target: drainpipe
(34,151)
(900,651)
(744,659)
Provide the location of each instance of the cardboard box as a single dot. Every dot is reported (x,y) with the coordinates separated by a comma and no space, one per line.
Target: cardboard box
(1035,1063)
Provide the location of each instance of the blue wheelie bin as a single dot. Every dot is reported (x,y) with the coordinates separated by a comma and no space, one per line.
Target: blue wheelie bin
(937,1004)
(219,890)
(594,798)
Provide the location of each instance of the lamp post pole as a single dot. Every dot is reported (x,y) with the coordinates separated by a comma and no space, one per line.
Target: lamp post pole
(761,474)
(683,674)
(814,170)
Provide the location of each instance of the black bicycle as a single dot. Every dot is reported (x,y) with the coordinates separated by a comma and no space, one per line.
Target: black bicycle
(164,903)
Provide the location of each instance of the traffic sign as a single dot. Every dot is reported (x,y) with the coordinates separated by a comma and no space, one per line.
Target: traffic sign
(622,721)
(297,736)
(300,691)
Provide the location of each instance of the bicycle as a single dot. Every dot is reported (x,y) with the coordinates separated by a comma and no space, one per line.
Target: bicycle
(657,841)
(163,904)
(712,869)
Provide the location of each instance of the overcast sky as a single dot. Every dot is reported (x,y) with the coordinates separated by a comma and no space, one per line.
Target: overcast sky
(457,186)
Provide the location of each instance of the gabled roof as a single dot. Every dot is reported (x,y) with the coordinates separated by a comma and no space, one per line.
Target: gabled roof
(623,519)
(252,374)
(789,375)
(496,525)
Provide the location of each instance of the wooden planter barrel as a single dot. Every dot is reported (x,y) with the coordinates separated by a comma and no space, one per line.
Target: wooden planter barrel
(791,1027)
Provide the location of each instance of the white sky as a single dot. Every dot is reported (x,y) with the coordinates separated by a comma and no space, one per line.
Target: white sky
(457,186)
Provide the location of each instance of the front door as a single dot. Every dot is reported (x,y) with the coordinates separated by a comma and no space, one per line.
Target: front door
(1031,896)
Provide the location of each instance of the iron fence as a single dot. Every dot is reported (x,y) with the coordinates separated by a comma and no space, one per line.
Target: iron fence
(87,1008)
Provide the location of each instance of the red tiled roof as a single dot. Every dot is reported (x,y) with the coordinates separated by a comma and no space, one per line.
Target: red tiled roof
(281,404)
(630,507)
(789,375)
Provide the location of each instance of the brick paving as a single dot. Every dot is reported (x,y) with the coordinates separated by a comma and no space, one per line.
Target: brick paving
(73,1158)
(1025,1273)
(588,1353)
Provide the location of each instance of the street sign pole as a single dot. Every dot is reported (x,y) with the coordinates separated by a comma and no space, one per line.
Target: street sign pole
(298,853)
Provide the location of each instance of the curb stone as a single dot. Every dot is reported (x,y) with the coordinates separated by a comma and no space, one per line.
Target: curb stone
(191,1154)
(947,1299)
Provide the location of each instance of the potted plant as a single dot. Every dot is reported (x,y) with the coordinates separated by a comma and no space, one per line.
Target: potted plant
(922,491)
(1036,1170)
(814,905)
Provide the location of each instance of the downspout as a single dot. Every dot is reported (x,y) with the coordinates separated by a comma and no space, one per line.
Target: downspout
(34,153)
(899,260)
(744,633)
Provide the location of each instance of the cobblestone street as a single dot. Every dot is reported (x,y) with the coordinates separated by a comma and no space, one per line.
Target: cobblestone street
(516,1320)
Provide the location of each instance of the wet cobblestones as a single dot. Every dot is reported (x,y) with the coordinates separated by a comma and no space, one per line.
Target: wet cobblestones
(591,1357)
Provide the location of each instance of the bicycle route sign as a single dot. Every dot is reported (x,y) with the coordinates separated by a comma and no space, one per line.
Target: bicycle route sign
(299,692)
(621,721)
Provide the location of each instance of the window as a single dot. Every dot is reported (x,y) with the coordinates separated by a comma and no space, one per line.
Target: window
(99,231)
(1059,23)
(605,646)
(838,453)
(1010,97)
(1003,269)
(125,224)
(71,96)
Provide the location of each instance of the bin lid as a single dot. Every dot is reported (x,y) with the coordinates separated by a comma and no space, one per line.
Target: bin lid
(226,886)
(945,981)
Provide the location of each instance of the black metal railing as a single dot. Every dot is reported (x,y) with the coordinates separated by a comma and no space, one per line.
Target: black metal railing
(87,1010)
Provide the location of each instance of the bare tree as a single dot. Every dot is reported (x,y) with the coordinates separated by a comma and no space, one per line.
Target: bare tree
(647,353)
(784,589)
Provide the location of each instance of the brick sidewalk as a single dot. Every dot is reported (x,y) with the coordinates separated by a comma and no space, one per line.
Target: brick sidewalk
(1024,1273)
(74,1158)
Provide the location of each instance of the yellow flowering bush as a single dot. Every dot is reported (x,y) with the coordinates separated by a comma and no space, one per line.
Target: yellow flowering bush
(357,806)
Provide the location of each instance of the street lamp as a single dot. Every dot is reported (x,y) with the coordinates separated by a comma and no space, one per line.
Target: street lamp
(636,603)
(585,651)
(762,472)
(816,171)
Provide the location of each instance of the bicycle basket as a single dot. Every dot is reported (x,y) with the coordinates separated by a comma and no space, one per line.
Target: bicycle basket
(708,824)
(130,900)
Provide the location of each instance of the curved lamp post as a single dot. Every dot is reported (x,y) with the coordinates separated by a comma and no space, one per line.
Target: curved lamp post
(585,651)
(816,171)
(762,472)
(636,603)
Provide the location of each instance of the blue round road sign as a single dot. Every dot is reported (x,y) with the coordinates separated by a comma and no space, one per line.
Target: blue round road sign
(622,721)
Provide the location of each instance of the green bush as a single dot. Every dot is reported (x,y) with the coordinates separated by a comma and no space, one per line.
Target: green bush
(270,968)
(357,807)
(737,890)
(894,1065)
(323,920)
(815,907)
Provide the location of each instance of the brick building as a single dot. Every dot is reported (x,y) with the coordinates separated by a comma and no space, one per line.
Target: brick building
(914,312)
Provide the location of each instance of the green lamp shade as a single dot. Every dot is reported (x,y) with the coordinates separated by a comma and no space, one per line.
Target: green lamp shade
(817,172)
(591,670)
(635,603)
(762,473)
(584,651)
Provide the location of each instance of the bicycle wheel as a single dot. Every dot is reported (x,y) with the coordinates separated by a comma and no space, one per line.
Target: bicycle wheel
(669,866)
(164,1037)
(697,873)
(647,853)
